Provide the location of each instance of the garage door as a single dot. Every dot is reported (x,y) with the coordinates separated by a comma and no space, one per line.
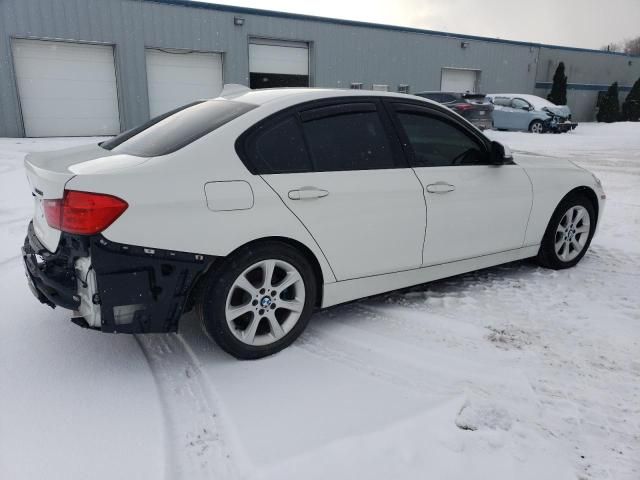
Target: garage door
(178,77)
(274,63)
(66,89)
(459,80)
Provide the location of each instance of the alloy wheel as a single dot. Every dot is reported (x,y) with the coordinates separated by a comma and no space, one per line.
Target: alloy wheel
(572,233)
(536,127)
(265,302)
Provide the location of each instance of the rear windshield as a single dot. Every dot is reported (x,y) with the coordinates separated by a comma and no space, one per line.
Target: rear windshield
(436,97)
(175,129)
(474,96)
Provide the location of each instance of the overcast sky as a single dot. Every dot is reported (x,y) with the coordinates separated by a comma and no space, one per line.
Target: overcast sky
(577,23)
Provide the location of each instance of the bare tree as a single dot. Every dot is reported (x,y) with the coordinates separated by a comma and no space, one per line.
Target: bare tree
(632,47)
(628,46)
(613,47)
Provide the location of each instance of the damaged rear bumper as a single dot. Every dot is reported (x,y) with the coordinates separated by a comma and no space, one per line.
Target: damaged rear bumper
(110,286)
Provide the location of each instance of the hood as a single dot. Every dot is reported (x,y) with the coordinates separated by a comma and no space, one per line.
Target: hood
(559,110)
(532,160)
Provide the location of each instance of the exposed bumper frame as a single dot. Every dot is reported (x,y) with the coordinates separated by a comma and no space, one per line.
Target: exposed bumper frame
(151,285)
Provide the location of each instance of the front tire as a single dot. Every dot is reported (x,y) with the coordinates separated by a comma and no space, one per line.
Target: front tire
(536,127)
(568,234)
(259,301)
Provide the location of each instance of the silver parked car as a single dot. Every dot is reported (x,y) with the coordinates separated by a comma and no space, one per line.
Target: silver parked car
(527,112)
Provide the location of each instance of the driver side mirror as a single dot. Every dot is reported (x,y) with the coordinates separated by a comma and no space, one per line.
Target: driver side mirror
(500,154)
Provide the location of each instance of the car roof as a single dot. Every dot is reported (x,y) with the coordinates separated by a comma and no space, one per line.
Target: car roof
(524,96)
(538,102)
(303,94)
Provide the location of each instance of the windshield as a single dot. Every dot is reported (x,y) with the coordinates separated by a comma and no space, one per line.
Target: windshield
(174,130)
(537,102)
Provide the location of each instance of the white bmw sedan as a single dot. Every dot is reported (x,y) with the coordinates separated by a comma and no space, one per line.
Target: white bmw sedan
(259,206)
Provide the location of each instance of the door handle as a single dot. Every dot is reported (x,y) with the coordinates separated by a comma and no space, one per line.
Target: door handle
(305,193)
(440,187)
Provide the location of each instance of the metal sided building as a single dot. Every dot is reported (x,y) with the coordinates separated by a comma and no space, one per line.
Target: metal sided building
(98,67)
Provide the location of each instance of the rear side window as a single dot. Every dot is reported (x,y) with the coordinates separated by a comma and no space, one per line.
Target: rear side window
(176,129)
(278,148)
(354,140)
(437,143)
(502,101)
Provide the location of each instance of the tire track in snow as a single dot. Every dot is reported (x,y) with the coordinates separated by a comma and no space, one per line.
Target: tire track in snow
(194,442)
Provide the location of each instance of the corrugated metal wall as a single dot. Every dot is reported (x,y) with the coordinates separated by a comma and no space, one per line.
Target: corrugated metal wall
(340,54)
(587,74)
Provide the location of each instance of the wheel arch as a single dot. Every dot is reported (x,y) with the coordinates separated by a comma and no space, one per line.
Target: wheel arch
(583,191)
(587,192)
(302,248)
(544,257)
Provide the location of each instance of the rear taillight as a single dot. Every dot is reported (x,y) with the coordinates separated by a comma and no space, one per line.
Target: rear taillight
(462,106)
(83,213)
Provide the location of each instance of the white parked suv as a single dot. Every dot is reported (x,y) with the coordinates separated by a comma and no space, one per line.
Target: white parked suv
(258,207)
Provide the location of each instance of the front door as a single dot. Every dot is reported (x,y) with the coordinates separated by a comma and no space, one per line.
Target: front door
(337,168)
(473,208)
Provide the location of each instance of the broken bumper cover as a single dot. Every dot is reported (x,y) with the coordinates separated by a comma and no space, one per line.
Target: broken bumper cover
(51,276)
(565,126)
(137,289)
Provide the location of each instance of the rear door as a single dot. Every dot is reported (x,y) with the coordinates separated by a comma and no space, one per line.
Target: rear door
(473,208)
(338,169)
(504,116)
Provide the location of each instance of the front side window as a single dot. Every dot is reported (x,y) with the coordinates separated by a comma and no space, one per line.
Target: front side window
(438,143)
(520,104)
(348,141)
(176,129)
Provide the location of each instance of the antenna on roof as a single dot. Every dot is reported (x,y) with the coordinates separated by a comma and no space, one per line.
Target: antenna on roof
(233,89)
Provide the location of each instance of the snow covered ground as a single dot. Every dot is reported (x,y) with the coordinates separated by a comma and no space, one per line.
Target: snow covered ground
(511,372)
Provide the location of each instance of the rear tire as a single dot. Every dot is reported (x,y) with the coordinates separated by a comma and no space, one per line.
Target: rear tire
(536,127)
(259,300)
(568,234)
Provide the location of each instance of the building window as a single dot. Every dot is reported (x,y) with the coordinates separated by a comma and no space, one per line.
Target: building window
(403,88)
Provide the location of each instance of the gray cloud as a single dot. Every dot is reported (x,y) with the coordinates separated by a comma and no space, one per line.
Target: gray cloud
(577,23)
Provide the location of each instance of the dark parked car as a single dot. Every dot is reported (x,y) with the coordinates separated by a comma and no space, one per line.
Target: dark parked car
(473,106)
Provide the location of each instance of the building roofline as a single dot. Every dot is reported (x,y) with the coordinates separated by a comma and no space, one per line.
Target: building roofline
(380,26)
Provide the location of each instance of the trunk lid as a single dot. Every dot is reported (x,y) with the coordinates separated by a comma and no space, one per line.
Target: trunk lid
(48,173)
